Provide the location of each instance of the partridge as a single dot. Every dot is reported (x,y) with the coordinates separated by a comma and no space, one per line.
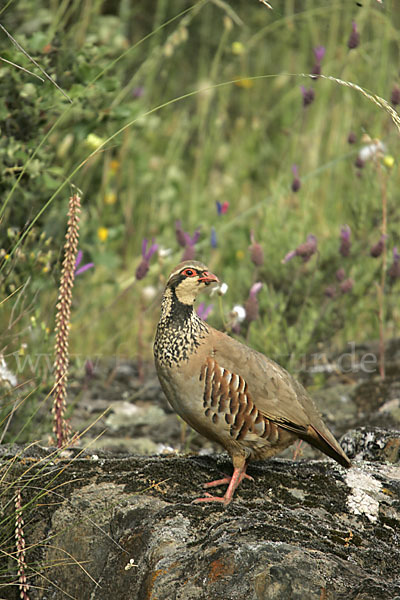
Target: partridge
(227,391)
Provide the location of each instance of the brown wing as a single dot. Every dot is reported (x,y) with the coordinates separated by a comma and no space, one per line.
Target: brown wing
(276,395)
(226,395)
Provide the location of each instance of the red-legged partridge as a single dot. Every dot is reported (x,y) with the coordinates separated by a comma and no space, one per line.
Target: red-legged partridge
(225,390)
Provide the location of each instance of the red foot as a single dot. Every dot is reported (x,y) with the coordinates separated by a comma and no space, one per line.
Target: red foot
(238,475)
(209,498)
(226,480)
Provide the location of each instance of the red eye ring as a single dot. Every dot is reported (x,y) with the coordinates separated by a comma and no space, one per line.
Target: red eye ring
(189,273)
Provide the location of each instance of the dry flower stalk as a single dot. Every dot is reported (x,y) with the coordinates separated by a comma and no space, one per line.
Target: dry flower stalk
(61,364)
(20,544)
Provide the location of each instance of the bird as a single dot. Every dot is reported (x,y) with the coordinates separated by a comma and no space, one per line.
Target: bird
(227,391)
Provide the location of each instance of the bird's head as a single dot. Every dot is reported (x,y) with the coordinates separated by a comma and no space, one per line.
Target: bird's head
(188,279)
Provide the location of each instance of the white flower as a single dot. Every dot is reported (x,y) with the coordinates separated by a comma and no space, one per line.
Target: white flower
(164,252)
(220,289)
(239,313)
(5,374)
(205,89)
(149,292)
(130,564)
(372,150)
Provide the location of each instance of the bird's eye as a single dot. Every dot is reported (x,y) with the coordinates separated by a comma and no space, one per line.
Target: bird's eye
(189,273)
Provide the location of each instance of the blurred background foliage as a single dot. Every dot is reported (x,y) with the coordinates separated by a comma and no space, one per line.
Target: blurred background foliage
(178,106)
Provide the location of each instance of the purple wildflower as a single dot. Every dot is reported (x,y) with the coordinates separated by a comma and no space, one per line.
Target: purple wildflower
(186,240)
(296,183)
(189,253)
(354,39)
(255,288)
(138,91)
(394,270)
(214,242)
(89,368)
(83,268)
(377,249)
(222,208)
(319,53)
(190,241)
(256,252)
(180,234)
(395,97)
(359,163)
(203,311)
(346,285)
(79,257)
(251,305)
(305,250)
(330,291)
(345,242)
(308,95)
(352,138)
(144,265)
(340,274)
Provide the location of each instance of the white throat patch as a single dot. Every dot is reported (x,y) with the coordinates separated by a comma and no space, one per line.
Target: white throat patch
(187,291)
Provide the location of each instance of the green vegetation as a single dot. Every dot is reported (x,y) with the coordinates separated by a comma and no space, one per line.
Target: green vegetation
(177,107)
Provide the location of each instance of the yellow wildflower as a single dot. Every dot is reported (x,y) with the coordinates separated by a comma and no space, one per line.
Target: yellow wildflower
(237,48)
(110,198)
(245,83)
(388,161)
(239,254)
(102,233)
(94,141)
(114,165)
(228,23)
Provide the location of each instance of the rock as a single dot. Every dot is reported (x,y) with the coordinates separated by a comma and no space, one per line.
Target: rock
(122,445)
(378,402)
(125,414)
(337,406)
(101,527)
(372,395)
(372,443)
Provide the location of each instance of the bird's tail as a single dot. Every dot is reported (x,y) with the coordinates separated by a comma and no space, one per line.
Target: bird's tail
(326,444)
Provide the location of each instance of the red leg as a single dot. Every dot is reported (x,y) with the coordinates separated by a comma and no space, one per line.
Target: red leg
(239,473)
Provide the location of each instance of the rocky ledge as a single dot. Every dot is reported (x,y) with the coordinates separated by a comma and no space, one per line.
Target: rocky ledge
(103,527)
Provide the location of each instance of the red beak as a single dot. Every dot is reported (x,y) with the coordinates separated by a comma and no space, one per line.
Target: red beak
(207,277)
